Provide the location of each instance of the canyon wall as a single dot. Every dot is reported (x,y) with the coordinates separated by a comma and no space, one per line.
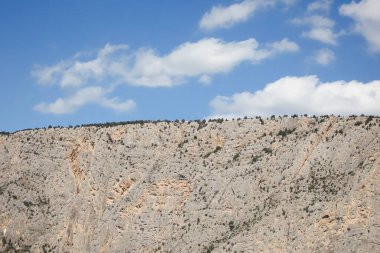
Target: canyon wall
(285,184)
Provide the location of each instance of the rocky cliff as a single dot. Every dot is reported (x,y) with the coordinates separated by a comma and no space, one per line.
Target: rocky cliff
(254,185)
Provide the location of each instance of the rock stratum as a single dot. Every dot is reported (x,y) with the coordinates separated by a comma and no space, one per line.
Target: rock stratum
(290,184)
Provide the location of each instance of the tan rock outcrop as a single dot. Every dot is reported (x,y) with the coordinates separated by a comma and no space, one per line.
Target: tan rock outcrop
(282,185)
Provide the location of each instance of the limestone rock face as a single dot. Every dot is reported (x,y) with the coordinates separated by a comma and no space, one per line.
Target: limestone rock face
(273,185)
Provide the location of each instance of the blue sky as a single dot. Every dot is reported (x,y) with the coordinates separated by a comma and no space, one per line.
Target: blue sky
(74,62)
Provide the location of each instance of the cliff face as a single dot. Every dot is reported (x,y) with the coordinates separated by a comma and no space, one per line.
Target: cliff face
(287,185)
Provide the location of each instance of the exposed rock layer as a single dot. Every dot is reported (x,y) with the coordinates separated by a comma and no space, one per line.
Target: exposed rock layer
(287,185)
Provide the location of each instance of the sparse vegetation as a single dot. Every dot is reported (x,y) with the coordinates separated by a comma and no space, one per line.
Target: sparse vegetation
(236,157)
(217,149)
(286,131)
(267,150)
(231,225)
(369,119)
(227,181)
(255,159)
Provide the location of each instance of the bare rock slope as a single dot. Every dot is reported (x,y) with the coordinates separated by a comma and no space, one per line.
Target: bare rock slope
(255,185)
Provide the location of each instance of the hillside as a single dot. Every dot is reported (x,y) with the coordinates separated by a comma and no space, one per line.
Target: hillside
(290,184)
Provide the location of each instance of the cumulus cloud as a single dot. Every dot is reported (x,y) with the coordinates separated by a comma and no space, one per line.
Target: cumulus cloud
(115,64)
(226,16)
(366,15)
(193,59)
(320,29)
(206,57)
(283,45)
(300,95)
(88,95)
(324,56)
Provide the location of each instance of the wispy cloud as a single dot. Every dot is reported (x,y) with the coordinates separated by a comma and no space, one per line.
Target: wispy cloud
(90,80)
(76,72)
(144,67)
(320,29)
(319,6)
(227,16)
(299,95)
(320,26)
(324,56)
(88,95)
(366,15)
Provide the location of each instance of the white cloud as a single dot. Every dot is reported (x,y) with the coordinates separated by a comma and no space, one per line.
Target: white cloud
(324,35)
(115,104)
(76,72)
(47,75)
(114,64)
(321,29)
(88,95)
(206,57)
(205,79)
(283,45)
(272,49)
(319,5)
(366,14)
(227,16)
(299,95)
(324,56)
(315,21)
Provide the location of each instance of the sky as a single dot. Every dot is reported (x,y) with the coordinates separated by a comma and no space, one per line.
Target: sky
(91,61)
